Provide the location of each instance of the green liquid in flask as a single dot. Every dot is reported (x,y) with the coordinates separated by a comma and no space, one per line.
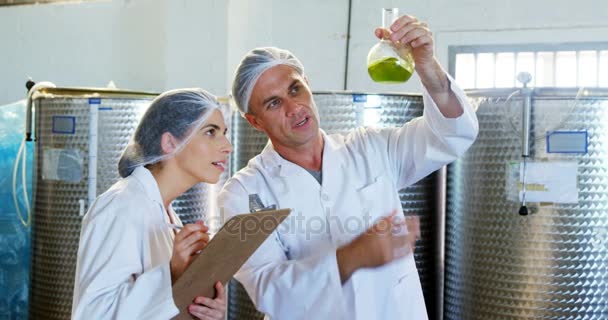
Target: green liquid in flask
(388,70)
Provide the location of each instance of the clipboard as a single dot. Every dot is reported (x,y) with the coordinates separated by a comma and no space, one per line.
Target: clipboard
(224,255)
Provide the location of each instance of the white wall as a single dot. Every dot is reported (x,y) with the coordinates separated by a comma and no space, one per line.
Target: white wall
(55,43)
(314,30)
(149,45)
(478,22)
(195,47)
(156,45)
(522,22)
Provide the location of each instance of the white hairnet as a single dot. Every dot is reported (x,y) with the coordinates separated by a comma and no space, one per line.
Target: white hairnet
(181,112)
(251,68)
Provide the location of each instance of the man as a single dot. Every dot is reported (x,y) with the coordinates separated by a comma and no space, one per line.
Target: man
(326,266)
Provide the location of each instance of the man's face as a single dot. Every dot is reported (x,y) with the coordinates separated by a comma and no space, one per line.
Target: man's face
(281,105)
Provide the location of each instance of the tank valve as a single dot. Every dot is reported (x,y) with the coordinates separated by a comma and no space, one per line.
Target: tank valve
(525,78)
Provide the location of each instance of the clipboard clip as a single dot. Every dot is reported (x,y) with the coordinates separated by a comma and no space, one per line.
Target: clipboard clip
(256,205)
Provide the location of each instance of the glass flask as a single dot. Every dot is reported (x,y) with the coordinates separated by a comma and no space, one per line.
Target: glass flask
(387,63)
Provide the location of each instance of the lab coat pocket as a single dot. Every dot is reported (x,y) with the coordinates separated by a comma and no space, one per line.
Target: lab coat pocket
(373,198)
(407,295)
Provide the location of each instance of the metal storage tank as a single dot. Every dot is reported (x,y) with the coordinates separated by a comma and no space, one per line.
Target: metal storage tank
(342,112)
(553,263)
(63,168)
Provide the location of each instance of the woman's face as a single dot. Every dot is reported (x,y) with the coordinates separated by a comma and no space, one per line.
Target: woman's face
(205,156)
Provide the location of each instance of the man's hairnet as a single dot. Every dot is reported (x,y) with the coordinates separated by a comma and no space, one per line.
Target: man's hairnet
(181,112)
(251,68)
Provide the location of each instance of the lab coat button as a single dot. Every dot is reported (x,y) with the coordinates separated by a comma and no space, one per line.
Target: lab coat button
(325,197)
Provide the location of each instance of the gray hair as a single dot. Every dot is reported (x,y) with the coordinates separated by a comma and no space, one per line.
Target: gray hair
(251,68)
(180,112)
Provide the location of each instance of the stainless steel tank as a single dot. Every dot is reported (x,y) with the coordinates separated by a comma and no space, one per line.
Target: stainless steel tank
(553,263)
(62,174)
(341,112)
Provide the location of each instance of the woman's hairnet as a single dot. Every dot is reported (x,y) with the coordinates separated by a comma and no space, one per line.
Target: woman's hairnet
(251,68)
(181,112)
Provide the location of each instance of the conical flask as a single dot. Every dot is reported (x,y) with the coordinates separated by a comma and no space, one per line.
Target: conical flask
(387,63)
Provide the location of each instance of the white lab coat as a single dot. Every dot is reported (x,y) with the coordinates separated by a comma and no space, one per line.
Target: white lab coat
(123,257)
(294,274)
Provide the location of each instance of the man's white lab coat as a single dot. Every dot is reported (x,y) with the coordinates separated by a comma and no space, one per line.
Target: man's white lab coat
(294,274)
(124,253)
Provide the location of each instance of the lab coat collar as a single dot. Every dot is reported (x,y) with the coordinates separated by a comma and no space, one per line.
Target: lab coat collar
(272,160)
(148,184)
(152,191)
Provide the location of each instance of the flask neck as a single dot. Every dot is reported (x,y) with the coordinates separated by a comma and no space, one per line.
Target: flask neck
(389,15)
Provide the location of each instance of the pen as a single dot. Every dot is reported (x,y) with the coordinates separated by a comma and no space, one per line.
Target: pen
(174,226)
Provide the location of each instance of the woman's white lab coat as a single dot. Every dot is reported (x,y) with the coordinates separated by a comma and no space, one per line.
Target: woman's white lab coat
(123,257)
(294,275)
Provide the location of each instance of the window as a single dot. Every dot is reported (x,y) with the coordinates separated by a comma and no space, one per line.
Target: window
(21,2)
(560,65)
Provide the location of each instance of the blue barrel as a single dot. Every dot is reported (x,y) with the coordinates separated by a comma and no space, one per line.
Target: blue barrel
(14,231)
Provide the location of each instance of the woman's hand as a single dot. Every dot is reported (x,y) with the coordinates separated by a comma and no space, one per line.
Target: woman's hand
(187,243)
(206,308)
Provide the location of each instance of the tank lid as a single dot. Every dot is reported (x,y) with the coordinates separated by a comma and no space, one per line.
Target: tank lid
(547,92)
(82,92)
(415,95)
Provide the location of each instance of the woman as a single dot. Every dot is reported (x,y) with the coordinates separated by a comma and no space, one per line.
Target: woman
(130,251)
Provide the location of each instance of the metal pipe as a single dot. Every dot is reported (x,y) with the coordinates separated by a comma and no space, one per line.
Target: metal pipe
(346,58)
(526,117)
(28,112)
(32,89)
(94,104)
(440,245)
(525,78)
(525,121)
